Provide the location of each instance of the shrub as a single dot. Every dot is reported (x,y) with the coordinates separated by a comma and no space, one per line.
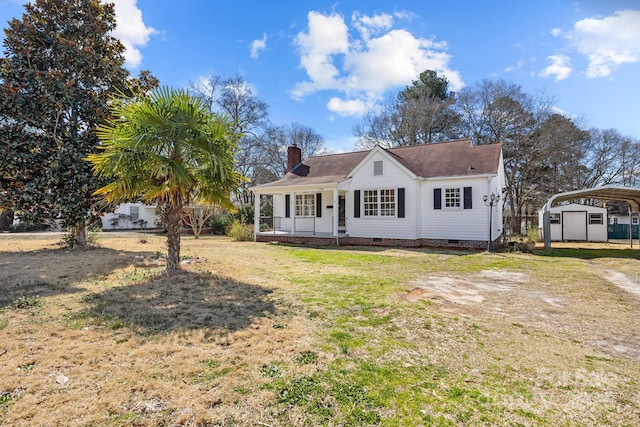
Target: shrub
(219,223)
(244,214)
(533,235)
(240,232)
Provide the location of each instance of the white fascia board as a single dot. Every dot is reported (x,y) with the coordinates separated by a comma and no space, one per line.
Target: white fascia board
(310,188)
(373,152)
(460,177)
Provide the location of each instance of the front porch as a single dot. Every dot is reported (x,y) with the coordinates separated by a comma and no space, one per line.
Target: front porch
(303,225)
(303,238)
(301,214)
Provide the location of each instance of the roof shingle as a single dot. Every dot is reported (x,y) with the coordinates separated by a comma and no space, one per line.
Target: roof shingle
(455,158)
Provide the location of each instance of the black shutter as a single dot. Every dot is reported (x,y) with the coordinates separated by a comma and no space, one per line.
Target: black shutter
(287,206)
(467,198)
(356,204)
(318,205)
(400,202)
(437,198)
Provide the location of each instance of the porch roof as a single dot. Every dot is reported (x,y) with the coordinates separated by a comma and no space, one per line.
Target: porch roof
(320,170)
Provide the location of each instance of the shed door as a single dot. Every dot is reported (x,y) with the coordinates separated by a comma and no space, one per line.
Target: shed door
(574,226)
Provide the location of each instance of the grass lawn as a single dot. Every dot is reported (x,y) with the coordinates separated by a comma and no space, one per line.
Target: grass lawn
(270,335)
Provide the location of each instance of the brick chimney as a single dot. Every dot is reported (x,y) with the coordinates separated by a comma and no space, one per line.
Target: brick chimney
(294,157)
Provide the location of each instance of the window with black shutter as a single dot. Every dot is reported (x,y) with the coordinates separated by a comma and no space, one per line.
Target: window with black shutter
(468,199)
(356,204)
(287,206)
(437,198)
(400,202)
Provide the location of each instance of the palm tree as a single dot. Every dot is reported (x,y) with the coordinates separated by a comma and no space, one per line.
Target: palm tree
(168,149)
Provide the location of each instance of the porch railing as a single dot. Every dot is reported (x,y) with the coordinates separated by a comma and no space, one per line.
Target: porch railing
(281,224)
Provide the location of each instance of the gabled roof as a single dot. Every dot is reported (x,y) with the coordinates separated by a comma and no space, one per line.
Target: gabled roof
(455,158)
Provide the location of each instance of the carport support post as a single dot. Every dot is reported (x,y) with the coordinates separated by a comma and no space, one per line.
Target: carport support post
(630,225)
(546,227)
(256,215)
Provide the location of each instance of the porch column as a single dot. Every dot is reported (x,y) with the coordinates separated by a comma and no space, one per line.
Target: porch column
(292,210)
(256,215)
(336,212)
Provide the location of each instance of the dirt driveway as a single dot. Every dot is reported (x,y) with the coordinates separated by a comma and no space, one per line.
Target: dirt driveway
(599,322)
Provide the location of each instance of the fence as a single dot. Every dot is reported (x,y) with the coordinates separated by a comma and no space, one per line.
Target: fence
(621,231)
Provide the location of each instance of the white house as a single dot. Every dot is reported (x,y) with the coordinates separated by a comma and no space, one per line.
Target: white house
(425,195)
(130,216)
(623,219)
(576,223)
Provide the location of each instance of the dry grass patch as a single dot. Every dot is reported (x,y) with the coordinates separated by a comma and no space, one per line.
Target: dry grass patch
(255,334)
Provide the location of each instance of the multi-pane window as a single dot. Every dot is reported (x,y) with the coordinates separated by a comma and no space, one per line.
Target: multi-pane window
(305,204)
(387,202)
(634,220)
(370,202)
(595,218)
(452,197)
(134,213)
(380,202)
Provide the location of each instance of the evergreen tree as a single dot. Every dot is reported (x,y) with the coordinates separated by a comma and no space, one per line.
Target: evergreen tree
(60,64)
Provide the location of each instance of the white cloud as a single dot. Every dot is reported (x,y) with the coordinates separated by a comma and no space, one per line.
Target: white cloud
(556,32)
(608,42)
(403,14)
(258,45)
(131,30)
(363,68)
(368,25)
(351,107)
(518,66)
(327,36)
(560,67)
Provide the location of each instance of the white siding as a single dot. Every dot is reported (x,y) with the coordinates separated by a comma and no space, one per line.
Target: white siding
(621,219)
(460,223)
(393,177)
(574,223)
(145,212)
(324,224)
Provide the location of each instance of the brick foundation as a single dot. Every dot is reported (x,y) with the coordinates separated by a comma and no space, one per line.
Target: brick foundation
(370,241)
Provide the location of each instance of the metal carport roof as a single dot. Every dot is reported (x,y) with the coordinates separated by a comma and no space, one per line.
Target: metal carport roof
(629,195)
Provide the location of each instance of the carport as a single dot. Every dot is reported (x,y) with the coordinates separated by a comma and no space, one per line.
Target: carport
(629,195)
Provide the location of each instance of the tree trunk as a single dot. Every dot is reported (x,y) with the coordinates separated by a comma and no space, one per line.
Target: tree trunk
(173,223)
(6,220)
(80,234)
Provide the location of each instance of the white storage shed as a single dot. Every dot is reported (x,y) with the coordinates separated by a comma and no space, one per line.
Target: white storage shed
(574,222)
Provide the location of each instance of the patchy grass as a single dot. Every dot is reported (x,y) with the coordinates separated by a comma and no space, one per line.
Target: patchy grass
(259,334)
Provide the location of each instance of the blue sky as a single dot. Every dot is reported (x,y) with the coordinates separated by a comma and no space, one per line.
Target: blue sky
(323,64)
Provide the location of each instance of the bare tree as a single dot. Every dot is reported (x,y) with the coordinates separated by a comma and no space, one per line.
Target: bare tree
(630,157)
(605,161)
(278,138)
(377,128)
(249,120)
(500,112)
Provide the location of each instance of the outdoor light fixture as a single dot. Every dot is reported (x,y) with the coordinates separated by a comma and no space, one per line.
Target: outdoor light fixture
(490,201)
